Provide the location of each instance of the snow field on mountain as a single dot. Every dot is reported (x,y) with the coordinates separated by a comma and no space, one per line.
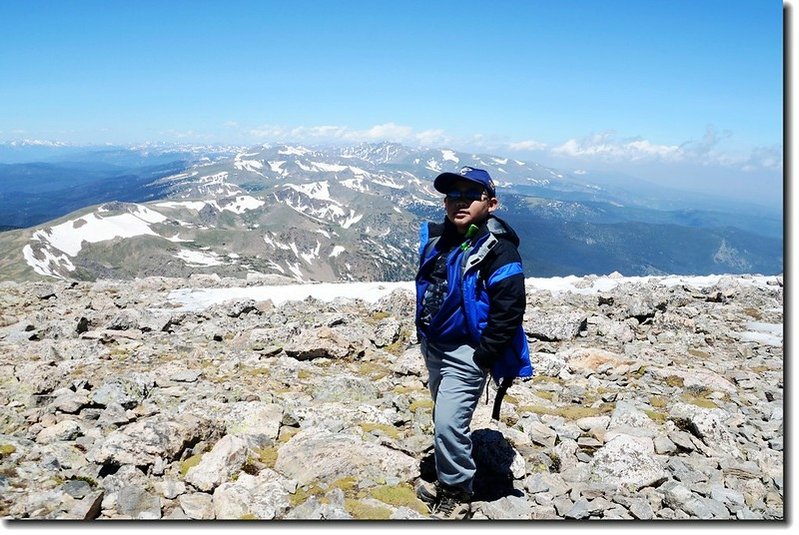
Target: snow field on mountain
(69,236)
(95,227)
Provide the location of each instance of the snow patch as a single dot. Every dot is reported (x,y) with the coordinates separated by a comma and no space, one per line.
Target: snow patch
(242,203)
(433,165)
(277,167)
(49,264)
(177,239)
(329,167)
(352,219)
(763,333)
(68,237)
(449,155)
(294,151)
(314,190)
(196,299)
(356,184)
(198,258)
(191,205)
(254,166)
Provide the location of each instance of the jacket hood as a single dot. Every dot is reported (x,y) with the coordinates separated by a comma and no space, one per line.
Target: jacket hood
(501,229)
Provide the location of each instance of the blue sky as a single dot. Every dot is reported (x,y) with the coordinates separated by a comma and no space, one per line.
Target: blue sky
(682,92)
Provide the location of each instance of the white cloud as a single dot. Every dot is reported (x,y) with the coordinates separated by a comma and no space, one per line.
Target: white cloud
(599,147)
(186,135)
(330,133)
(388,131)
(432,137)
(529,144)
(605,146)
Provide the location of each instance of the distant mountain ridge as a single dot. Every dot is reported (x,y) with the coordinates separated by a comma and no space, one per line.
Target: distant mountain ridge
(352,214)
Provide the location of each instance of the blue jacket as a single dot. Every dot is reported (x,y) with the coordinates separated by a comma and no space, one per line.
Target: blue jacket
(486,265)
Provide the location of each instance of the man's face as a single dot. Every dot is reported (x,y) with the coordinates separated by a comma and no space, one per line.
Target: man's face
(468,203)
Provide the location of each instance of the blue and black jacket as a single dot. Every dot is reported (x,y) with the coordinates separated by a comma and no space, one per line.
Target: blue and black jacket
(485,299)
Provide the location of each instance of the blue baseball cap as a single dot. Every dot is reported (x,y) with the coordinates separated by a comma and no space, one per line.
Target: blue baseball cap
(445,181)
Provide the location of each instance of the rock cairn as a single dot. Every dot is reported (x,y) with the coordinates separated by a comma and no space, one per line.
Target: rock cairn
(650,401)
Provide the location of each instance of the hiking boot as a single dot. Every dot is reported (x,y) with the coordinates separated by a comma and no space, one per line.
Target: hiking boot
(452,505)
(427,492)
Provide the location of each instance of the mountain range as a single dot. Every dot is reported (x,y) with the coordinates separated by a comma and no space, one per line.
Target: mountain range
(341,214)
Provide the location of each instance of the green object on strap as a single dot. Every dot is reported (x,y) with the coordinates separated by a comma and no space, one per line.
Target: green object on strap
(470,233)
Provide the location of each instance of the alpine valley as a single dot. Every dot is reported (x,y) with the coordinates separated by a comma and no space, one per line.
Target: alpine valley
(341,214)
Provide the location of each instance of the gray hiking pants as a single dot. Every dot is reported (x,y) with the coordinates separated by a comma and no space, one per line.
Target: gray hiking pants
(456,384)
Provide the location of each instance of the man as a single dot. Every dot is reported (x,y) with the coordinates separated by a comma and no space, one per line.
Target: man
(470,303)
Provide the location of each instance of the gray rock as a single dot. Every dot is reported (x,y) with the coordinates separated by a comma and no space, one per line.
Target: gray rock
(716,509)
(186,376)
(625,461)
(171,488)
(64,430)
(664,446)
(387,332)
(548,365)
(319,343)
(682,440)
(562,505)
(748,514)
(197,505)
(708,425)
(71,402)
(144,441)
(536,483)
(566,454)
(593,422)
(641,509)
(410,362)
(628,415)
(114,415)
(507,508)
(86,508)
(218,465)
(255,421)
(544,512)
(345,388)
(314,509)
(551,326)
(236,309)
(541,434)
(404,513)
(680,498)
(137,503)
(265,497)
(582,508)
(317,455)
(128,390)
(76,488)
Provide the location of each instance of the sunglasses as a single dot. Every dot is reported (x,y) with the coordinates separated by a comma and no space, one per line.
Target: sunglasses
(470,195)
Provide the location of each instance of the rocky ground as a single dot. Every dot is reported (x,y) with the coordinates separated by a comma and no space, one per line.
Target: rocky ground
(650,401)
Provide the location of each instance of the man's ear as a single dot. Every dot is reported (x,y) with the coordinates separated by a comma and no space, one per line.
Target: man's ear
(493,204)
